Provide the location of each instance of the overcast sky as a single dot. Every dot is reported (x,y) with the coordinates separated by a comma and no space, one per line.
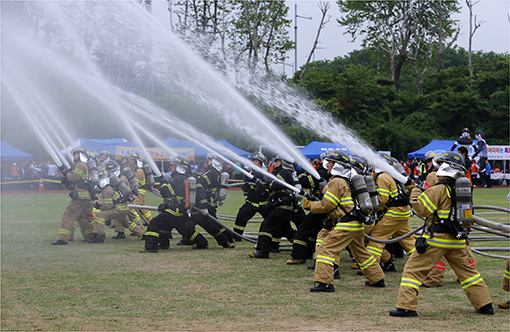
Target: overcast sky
(493,35)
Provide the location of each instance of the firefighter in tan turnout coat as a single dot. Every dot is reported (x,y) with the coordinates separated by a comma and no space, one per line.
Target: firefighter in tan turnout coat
(346,230)
(440,240)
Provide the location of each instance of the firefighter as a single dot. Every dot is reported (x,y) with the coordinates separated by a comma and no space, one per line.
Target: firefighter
(506,285)
(345,228)
(305,238)
(104,157)
(281,207)
(136,164)
(440,239)
(395,212)
(436,275)
(79,209)
(112,169)
(209,183)
(113,205)
(256,196)
(173,213)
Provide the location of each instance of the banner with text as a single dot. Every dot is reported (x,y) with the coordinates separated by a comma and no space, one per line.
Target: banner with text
(498,152)
(157,154)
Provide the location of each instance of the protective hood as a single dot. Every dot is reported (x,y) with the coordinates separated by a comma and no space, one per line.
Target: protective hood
(340,170)
(216,164)
(451,170)
(103,182)
(180,169)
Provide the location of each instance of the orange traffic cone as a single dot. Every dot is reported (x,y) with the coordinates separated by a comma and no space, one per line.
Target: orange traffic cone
(41,185)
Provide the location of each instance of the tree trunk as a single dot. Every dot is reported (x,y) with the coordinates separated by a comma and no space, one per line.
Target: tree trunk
(324,6)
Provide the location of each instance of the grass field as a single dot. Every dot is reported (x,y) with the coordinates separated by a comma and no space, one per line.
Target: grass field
(111,287)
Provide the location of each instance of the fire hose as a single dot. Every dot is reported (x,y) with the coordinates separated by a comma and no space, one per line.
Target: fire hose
(505,230)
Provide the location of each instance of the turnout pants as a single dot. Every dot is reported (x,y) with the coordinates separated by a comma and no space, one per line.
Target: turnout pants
(435,276)
(275,225)
(125,222)
(246,212)
(162,225)
(133,215)
(387,228)
(419,265)
(212,227)
(305,238)
(79,211)
(343,235)
(101,217)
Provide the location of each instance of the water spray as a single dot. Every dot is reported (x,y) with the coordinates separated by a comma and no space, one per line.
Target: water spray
(42,136)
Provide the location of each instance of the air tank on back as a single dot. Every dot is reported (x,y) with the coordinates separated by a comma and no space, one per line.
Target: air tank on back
(372,191)
(362,195)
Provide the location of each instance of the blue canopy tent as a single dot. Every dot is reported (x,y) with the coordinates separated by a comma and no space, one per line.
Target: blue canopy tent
(201,152)
(10,153)
(315,149)
(234,148)
(436,144)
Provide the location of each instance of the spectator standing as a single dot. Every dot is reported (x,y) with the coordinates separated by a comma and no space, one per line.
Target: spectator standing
(467,162)
(475,177)
(481,147)
(487,174)
(52,171)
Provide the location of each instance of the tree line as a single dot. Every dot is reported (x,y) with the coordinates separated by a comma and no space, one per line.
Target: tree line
(407,85)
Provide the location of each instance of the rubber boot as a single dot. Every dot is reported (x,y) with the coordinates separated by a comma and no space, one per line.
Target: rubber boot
(403,313)
(486,310)
(322,287)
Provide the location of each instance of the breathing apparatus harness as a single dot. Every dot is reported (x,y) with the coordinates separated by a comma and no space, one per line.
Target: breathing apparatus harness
(360,212)
(122,189)
(460,217)
(88,184)
(402,199)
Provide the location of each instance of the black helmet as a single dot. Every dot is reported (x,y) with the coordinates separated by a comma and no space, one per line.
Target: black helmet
(79,150)
(182,164)
(465,130)
(453,165)
(387,158)
(180,161)
(438,159)
(285,163)
(357,164)
(260,157)
(453,158)
(134,156)
(111,167)
(107,153)
(479,132)
(339,156)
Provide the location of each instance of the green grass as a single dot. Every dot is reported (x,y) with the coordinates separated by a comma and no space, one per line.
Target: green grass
(111,287)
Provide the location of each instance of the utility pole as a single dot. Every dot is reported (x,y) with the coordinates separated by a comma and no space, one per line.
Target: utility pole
(296,16)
